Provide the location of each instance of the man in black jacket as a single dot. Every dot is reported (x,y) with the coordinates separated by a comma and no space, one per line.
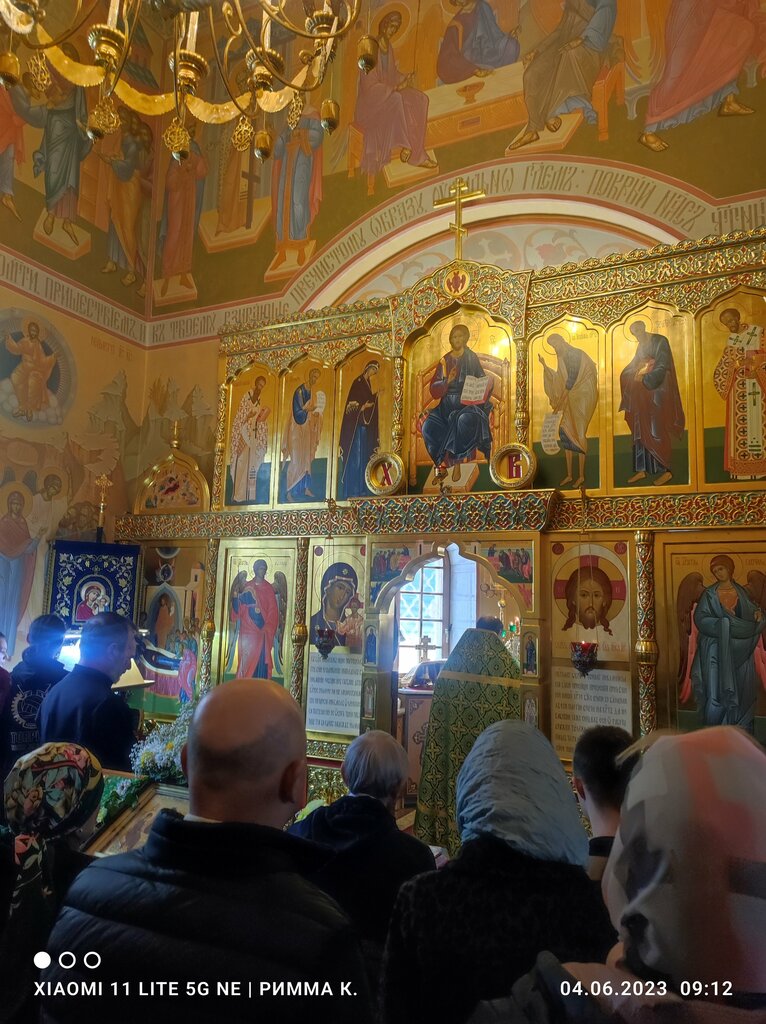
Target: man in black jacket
(38,670)
(83,708)
(373,857)
(220,897)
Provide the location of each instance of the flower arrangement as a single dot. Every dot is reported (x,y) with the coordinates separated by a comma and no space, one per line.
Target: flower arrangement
(119,793)
(159,756)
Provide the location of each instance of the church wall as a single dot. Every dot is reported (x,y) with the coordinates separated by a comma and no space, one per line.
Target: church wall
(107,407)
(77,414)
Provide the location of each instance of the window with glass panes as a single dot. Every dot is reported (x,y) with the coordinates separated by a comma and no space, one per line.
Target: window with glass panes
(421,613)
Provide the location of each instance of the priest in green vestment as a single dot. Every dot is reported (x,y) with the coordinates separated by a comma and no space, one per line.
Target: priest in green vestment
(478,685)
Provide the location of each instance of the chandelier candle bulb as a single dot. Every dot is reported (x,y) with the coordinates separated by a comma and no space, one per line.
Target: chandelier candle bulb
(191,36)
(114,10)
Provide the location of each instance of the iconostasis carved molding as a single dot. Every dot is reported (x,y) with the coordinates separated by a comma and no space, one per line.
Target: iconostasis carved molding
(689,275)
(470,513)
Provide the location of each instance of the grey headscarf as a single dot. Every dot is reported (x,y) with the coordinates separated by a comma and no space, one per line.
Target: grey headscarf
(512,786)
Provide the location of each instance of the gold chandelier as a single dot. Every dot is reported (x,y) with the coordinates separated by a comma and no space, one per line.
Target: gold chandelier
(261,86)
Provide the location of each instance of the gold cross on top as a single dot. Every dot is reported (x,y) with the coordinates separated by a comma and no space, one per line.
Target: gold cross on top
(459,194)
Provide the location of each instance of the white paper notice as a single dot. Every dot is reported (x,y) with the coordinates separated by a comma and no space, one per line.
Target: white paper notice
(335,693)
(474,390)
(604,697)
(549,435)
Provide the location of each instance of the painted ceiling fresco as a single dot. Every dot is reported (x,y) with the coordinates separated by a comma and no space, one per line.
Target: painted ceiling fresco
(654,109)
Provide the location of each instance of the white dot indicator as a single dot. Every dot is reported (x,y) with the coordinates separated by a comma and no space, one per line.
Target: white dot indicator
(93,962)
(71,960)
(42,960)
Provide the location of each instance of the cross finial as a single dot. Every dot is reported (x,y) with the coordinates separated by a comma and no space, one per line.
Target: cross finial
(458,194)
(103,483)
(424,647)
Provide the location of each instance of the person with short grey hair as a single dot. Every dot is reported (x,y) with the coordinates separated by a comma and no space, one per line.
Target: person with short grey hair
(373,858)
(375,765)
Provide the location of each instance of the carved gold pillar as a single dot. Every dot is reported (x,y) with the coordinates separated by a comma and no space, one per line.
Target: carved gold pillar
(300,632)
(219,469)
(207,630)
(646,645)
(521,417)
(397,430)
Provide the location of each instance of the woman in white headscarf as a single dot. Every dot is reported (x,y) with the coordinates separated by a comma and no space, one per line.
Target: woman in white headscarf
(517,887)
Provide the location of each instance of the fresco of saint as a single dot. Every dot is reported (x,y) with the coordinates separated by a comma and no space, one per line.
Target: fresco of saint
(454,430)
(390,113)
(474,43)
(359,432)
(740,380)
(560,72)
(652,405)
(249,443)
(572,391)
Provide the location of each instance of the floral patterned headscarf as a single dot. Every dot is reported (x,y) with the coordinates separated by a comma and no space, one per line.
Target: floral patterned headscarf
(685,881)
(49,793)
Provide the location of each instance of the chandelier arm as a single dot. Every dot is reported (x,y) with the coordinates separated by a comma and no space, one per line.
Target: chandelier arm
(65,35)
(131,29)
(179,34)
(293,85)
(286,23)
(153,105)
(222,72)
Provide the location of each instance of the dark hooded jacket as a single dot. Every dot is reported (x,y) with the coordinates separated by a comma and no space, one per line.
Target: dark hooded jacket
(30,682)
(373,859)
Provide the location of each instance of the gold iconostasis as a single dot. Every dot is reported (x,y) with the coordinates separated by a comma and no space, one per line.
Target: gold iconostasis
(587,444)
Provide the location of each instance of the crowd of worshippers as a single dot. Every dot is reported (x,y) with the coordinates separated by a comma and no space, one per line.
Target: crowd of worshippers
(340,916)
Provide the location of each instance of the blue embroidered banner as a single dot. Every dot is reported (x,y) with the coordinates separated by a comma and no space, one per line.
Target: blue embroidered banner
(85,579)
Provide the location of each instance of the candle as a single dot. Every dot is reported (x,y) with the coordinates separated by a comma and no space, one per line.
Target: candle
(267,33)
(114,10)
(191,35)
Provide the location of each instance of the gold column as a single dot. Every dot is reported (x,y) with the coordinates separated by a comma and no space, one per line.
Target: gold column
(646,645)
(300,632)
(208,624)
(521,417)
(397,430)
(219,469)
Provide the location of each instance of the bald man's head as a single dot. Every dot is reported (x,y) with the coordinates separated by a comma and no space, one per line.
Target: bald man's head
(245,756)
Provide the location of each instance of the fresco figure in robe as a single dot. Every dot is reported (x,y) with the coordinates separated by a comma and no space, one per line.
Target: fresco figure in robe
(729,627)
(740,380)
(474,43)
(31,375)
(359,432)
(124,196)
(707,43)
(184,185)
(390,113)
(254,609)
(300,440)
(560,72)
(652,405)
(453,432)
(18,553)
(64,144)
(249,443)
(11,151)
(339,585)
(572,390)
(296,185)
(165,620)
